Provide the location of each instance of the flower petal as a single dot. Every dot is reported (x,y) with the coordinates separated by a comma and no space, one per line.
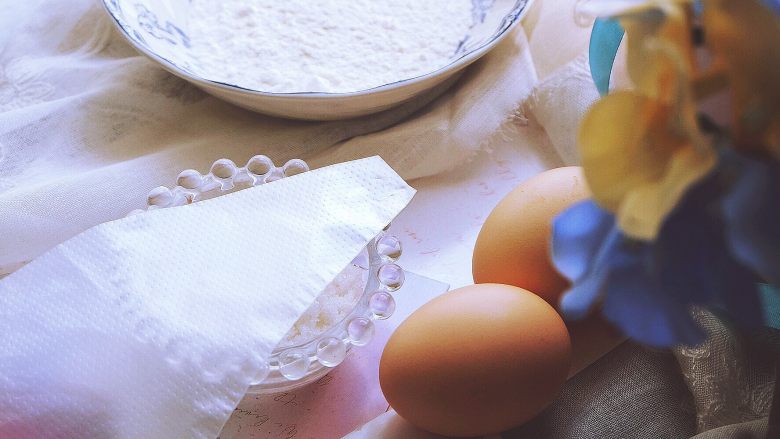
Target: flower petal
(643,210)
(588,289)
(640,306)
(646,313)
(744,35)
(692,262)
(660,53)
(751,209)
(578,234)
(577,302)
(624,143)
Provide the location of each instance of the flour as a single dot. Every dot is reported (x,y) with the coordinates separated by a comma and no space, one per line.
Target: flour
(288,46)
(335,302)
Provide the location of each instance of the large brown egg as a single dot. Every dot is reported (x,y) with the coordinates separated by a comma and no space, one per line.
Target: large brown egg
(477,360)
(513,246)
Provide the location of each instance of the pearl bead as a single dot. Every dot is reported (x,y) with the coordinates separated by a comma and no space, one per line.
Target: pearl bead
(189,179)
(224,169)
(295,167)
(160,196)
(259,165)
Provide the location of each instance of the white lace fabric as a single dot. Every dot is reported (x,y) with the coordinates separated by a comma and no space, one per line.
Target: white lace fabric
(731,375)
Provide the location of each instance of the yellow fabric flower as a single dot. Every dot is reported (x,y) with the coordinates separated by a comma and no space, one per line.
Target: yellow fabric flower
(635,164)
(641,149)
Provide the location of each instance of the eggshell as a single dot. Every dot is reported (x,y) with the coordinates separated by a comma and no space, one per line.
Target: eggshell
(477,360)
(513,246)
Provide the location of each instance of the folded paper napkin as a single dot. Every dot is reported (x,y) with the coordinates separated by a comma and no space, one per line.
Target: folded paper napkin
(154,325)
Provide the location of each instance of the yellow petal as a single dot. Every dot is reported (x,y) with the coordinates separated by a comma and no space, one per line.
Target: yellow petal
(659,49)
(625,142)
(644,209)
(745,36)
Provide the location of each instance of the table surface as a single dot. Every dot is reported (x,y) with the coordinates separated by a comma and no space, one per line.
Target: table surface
(440,226)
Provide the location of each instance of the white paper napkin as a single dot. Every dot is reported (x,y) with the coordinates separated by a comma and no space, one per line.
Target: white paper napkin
(153,325)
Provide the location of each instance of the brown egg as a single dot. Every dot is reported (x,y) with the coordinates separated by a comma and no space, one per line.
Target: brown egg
(477,360)
(513,246)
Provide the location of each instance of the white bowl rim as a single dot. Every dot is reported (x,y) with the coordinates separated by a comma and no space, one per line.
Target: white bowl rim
(509,22)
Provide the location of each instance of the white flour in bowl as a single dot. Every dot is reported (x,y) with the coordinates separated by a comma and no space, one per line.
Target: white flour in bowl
(336,301)
(338,46)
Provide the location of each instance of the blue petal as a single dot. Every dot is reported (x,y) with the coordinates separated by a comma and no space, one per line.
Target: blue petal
(578,234)
(583,238)
(588,289)
(774,5)
(648,289)
(643,309)
(752,212)
(646,314)
(690,246)
(692,260)
(577,302)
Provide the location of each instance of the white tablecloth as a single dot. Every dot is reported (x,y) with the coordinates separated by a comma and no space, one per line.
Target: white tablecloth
(440,226)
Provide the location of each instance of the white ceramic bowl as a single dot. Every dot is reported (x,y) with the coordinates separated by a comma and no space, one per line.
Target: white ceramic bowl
(158,29)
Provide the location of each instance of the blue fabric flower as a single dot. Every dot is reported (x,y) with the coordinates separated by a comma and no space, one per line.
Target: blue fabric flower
(607,267)
(709,251)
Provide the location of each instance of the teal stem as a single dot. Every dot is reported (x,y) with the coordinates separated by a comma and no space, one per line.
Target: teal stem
(604,42)
(770,300)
